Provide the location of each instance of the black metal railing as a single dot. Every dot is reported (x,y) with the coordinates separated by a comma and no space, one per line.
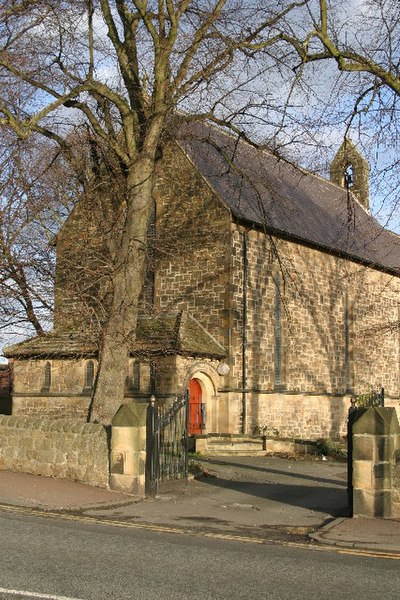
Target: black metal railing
(371,398)
(167,443)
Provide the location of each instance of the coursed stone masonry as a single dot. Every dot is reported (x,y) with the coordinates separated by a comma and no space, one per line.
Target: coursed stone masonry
(64,448)
(376,448)
(333,340)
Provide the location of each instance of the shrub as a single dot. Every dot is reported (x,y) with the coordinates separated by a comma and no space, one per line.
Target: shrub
(327,447)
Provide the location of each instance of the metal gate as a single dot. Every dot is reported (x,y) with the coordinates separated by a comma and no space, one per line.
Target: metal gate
(359,403)
(166,443)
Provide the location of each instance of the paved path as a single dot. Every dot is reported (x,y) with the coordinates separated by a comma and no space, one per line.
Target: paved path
(248,495)
(22,489)
(264,497)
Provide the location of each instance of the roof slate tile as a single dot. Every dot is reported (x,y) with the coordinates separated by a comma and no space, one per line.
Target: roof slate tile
(268,192)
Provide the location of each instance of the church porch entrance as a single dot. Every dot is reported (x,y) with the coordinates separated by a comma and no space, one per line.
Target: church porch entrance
(196,417)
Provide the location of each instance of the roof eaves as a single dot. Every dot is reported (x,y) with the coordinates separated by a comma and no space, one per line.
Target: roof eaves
(268,230)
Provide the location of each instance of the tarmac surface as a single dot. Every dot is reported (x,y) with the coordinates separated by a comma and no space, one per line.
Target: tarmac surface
(264,497)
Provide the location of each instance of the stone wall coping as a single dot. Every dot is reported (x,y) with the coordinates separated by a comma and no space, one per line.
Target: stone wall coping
(72,426)
(377,421)
(129,415)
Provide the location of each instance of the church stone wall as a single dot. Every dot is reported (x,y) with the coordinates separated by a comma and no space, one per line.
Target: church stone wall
(65,396)
(54,406)
(82,269)
(192,249)
(336,335)
(299,416)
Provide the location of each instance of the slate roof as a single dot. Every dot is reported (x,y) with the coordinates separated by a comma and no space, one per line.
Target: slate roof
(177,333)
(268,192)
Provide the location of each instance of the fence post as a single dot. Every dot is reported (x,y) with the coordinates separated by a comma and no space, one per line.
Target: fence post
(350,420)
(152,448)
(128,449)
(375,439)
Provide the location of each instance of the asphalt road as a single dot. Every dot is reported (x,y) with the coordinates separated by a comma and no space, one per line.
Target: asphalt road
(55,558)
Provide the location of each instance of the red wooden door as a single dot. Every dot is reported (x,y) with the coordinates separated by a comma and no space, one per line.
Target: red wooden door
(195,424)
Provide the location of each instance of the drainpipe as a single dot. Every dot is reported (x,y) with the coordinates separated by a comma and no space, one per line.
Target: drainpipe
(244,332)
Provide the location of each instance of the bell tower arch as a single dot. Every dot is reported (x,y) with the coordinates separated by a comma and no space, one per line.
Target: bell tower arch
(350,170)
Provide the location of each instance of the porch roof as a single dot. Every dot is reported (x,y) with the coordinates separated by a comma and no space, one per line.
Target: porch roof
(177,333)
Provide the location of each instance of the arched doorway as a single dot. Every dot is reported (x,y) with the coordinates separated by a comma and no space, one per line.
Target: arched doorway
(196,408)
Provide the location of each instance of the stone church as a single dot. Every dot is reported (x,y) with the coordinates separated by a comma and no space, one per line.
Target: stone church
(272,295)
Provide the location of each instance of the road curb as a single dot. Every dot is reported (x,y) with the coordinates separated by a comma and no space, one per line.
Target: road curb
(73,509)
(319,536)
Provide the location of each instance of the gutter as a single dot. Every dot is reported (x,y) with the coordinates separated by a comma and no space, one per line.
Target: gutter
(284,235)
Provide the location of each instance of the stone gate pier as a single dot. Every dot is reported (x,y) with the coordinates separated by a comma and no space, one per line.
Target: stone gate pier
(376,463)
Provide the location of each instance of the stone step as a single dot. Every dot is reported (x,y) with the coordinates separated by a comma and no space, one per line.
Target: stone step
(242,445)
(247,445)
(229,445)
(233,452)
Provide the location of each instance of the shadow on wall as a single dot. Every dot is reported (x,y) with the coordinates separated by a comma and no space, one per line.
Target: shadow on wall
(324,328)
(5,389)
(5,405)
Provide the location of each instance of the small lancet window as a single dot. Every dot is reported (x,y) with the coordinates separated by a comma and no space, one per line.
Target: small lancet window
(347,341)
(135,376)
(46,377)
(89,375)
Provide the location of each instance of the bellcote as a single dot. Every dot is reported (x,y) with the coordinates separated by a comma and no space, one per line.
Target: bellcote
(350,170)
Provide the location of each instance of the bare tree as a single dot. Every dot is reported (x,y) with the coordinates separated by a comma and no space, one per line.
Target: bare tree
(372,49)
(35,196)
(118,70)
(346,57)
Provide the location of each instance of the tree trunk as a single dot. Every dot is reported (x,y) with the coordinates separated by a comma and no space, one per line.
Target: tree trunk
(129,249)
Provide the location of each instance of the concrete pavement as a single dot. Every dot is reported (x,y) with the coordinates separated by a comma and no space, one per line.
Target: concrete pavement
(262,497)
(48,493)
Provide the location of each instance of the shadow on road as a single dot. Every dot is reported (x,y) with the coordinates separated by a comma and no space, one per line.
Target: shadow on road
(332,500)
(271,470)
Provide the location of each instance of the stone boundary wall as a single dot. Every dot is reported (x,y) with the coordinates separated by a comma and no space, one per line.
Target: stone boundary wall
(65,448)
